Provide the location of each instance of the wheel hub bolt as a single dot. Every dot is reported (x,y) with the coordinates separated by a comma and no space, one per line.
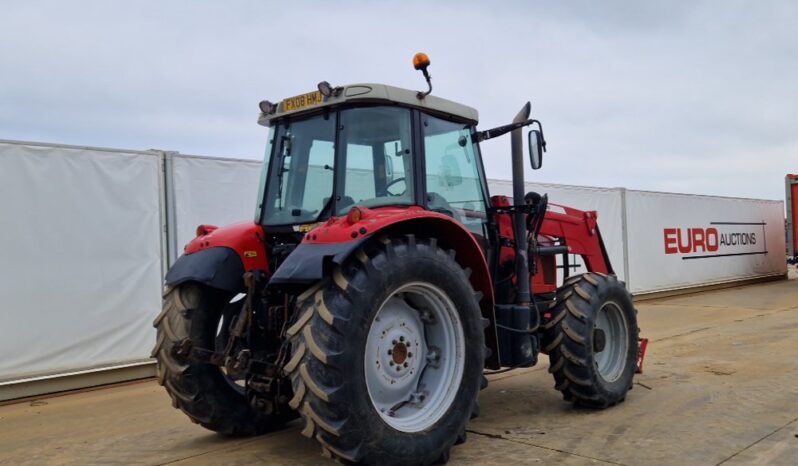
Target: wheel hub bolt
(417,397)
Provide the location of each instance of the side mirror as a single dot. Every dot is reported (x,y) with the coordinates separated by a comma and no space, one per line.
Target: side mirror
(536,148)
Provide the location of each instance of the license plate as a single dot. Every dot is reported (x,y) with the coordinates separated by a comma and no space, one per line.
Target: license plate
(302,101)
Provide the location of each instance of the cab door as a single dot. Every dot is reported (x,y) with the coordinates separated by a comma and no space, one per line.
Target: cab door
(453,174)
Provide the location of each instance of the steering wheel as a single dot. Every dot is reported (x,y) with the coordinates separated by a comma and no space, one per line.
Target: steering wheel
(393,182)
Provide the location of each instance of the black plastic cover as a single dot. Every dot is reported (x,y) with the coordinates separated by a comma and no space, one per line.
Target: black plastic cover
(518,347)
(218,267)
(306,263)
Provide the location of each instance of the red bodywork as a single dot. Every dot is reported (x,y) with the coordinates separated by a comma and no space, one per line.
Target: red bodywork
(792,203)
(245,238)
(576,228)
(416,220)
(641,355)
(412,219)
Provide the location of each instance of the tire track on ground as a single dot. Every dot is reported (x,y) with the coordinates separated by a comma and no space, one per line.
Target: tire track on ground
(757,441)
(543,447)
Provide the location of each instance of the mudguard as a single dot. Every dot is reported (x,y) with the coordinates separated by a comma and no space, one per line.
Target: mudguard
(337,239)
(218,257)
(218,267)
(308,261)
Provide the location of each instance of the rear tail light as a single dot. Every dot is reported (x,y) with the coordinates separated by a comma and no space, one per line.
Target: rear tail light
(355,215)
(203,230)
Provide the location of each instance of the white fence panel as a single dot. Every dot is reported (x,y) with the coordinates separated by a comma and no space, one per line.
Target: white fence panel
(680,241)
(211,191)
(80,257)
(82,246)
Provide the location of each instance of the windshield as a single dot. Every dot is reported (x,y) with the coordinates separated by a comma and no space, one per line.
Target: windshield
(374,155)
(375,151)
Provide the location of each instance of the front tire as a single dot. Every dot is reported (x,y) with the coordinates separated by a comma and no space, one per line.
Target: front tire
(202,391)
(387,355)
(591,336)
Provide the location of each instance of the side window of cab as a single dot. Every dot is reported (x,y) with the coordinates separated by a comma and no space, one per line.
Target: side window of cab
(454,185)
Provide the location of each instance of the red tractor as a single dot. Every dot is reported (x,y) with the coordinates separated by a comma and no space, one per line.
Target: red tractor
(379,280)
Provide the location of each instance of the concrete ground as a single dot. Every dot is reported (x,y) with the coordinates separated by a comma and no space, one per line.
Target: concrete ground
(720,387)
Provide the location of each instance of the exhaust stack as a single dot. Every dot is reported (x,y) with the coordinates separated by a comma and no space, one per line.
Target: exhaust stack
(519,218)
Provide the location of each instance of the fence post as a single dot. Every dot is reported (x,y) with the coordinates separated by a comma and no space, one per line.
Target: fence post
(625,240)
(171,207)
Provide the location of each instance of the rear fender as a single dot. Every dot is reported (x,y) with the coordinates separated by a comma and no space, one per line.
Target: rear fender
(217,267)
(336,240)
(219,257)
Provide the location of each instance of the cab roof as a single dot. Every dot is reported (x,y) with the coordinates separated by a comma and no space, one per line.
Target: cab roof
(369,93)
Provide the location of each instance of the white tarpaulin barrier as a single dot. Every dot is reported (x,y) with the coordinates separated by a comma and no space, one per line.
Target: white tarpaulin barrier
(679,241)
(84,235)
(209,191)
(80,257)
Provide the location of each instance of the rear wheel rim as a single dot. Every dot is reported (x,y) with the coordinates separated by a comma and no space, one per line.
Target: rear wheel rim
(611,361)
(415,357)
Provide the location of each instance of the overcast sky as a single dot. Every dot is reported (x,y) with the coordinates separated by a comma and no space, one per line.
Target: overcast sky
(684,96)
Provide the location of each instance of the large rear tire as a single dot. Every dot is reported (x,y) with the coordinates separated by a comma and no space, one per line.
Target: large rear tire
(591,336)
(387,355)
(203,391)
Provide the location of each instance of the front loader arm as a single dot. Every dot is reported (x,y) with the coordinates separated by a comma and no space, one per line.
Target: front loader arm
(579,231)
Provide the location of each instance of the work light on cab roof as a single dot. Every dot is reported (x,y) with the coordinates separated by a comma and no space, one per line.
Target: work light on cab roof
(421,62)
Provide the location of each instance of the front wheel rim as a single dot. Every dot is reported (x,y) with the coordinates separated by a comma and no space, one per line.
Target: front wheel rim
(611,360)
(415,357)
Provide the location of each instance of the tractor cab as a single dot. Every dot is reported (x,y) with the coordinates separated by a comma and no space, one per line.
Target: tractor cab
(369,146)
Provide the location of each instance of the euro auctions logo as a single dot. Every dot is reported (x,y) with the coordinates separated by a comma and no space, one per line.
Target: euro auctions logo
(703,240)
(721,239)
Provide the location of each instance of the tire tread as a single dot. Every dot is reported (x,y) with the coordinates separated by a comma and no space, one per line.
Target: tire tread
(183,382)
(566,340)
(324,314)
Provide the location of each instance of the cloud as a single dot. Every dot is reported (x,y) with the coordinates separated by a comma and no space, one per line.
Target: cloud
(686,96)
